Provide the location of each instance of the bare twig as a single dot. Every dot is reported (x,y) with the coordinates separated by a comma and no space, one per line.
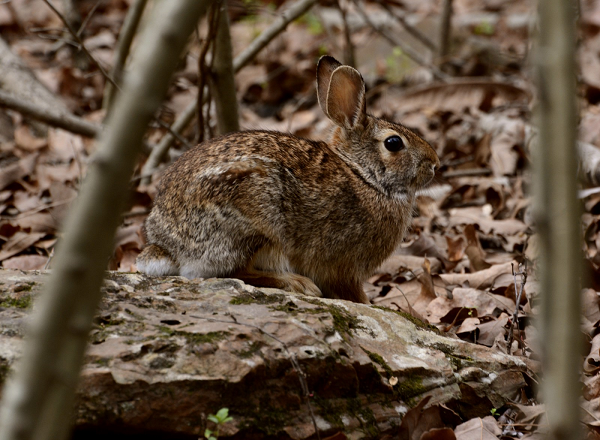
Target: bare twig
(221,76)
(349,58)
(38,398)
(77,37)
(203,69)
(291,356)
(468,172)
(394,40)
(522,272)
(130,26)
(410,28)
(57,118)
(290,14)
(104,73)
(445,28)
(185,118)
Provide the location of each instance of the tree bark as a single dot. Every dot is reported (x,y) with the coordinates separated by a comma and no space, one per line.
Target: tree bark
(38,400)
(558,218)
(222,82)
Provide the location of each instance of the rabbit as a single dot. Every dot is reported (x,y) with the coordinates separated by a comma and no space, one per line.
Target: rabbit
(275,210)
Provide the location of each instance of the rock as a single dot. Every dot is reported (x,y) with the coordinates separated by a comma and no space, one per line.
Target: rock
(166,352)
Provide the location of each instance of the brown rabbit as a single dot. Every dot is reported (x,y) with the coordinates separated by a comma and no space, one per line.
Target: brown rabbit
(279,211)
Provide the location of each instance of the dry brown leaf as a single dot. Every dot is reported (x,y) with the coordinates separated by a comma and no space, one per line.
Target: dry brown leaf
(16,170)
(479,280)
(478,429)
(456,248)
(490,330)
(36,222)
(592,361)
(25,201)
(457,94)
(27,141)
(484,302)
(591,412)
(413,263)
(25,262)
(418,421)
(468,325)
(439,434)
(19,242)
(64,146)
(590,305)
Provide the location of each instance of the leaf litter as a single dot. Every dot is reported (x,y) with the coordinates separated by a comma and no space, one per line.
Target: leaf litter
(471,230)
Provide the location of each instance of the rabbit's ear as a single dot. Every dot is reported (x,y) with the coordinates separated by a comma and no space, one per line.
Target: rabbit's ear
(346,98)
(325,69)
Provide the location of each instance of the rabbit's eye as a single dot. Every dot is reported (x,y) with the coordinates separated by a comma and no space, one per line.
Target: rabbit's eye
(394,143)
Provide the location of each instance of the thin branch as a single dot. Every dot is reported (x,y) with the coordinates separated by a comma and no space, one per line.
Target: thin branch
(445,28)
(468,172)
(185,118)
(410,28)
(39,397)
(395,41)
(221,76)
(77,37)
(515,321)
(349,57)
(203,70)
(290,14)
(59,119)
(104,73)
(128,30)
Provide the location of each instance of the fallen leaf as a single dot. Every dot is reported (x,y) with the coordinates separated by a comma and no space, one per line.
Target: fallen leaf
(25,262)
(19,242)
(27,141)
(478,429)
(439,434)
(484,302)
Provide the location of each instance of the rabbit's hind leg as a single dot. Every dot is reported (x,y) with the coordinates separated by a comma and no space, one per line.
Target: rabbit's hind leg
(269,267)
(154,260)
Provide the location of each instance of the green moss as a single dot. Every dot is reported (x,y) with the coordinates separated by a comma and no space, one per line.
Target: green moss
(343,321)
(102,362)
(23,302)
(195,338)
(166,330)
(267,419)
(288,307)
(250,351)
(378,360)
(365,416)
(409,387)
(408,316)
(257,297)
(330,412)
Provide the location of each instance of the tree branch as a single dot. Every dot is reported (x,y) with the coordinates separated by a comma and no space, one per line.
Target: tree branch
(221,77)
(130,26)
(558,217)
(58,119)
(395,41)
(38,399)
(185,118)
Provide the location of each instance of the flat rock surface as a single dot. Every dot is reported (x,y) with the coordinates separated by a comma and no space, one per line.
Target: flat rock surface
(166,352)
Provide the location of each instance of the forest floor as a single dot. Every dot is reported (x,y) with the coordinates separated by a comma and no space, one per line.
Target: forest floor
(472,243)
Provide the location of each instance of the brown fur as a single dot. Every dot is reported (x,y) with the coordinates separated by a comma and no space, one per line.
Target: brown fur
(280,211)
